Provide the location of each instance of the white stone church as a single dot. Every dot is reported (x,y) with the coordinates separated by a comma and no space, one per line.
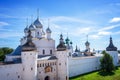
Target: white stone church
(37,58)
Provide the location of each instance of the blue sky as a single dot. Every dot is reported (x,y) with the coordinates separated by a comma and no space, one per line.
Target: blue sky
(78,18)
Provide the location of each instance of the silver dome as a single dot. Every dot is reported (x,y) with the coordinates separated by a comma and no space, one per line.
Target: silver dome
(48,30)
(32,27)
(37,23)
(26,29)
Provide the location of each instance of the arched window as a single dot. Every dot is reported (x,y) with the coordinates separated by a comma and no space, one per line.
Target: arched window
(43,51)
(50,51)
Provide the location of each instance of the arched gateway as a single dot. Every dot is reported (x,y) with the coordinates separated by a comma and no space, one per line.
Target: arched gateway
(47,78)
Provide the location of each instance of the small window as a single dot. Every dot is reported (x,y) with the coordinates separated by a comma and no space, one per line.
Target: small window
(31,69)
(23,69)
(43,51)
(37,33)
(50,51)
(37,65)
(40,65)
(59,63)
(18,76)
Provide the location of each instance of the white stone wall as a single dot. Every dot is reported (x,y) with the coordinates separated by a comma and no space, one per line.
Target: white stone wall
(29,63)
(82,65)
(11,72)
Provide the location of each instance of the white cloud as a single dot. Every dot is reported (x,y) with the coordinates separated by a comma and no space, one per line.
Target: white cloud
(3,24)
(69,19)
(104,33)
(115,19)
(109,27)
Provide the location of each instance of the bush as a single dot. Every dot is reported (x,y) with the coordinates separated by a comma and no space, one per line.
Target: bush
(107,62)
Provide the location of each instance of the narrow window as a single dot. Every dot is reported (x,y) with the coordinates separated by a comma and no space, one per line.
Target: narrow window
(43,51)
(50,51)
(31,68)
(40,65)
(37,33)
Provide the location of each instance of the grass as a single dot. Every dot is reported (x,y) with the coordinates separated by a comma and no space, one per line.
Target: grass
(99,75)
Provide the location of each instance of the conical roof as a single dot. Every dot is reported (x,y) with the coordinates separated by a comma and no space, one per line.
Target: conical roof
(29,45)
(111,46)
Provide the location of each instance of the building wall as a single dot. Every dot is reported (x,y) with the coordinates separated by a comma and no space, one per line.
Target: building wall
(42,70)
(44,44)
(80,65)
(11,72)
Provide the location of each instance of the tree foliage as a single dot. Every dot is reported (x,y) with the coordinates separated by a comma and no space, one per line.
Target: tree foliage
(4,51)
(107,62)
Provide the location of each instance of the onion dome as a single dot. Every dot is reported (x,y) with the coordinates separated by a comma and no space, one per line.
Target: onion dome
(29,45)
(37,23)
(26,29)
(32,27)
(111,46)
(67,40)
(87,43)
(71,42)
(61,46)
(48,30)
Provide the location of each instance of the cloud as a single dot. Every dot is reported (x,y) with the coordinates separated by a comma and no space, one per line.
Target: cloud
(109,27)
(10,35)
(115,19)
(69,19)
(3,24)
(104,33)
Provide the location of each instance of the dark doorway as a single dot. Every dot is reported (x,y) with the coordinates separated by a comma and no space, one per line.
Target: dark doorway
(47,78)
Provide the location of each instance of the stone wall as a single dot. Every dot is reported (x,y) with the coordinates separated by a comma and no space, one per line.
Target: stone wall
(81,65)
(11,72)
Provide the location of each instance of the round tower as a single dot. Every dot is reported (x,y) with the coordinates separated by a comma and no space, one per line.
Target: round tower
(112,50)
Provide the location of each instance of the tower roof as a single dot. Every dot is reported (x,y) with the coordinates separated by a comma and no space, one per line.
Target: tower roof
(29,45)
(111,46)
(37,23)
(87,43)
(48,30)
(76,50)
(61,46)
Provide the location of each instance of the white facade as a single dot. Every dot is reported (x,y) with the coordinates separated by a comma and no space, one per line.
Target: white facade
(46,62)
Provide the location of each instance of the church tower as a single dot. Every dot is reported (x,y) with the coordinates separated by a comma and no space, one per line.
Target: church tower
(48,32)
(87,44)
(62,55)
(112,50)
(29,59)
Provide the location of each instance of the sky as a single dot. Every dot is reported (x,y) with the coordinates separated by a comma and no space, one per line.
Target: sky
(73,18)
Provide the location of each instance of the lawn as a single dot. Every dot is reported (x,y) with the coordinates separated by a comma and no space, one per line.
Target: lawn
(98,75)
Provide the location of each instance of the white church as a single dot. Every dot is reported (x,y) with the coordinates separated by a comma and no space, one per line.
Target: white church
(37,58)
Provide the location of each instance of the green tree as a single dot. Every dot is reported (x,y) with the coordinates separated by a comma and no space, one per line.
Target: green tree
(1,55)
(107,62)
(4,51)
